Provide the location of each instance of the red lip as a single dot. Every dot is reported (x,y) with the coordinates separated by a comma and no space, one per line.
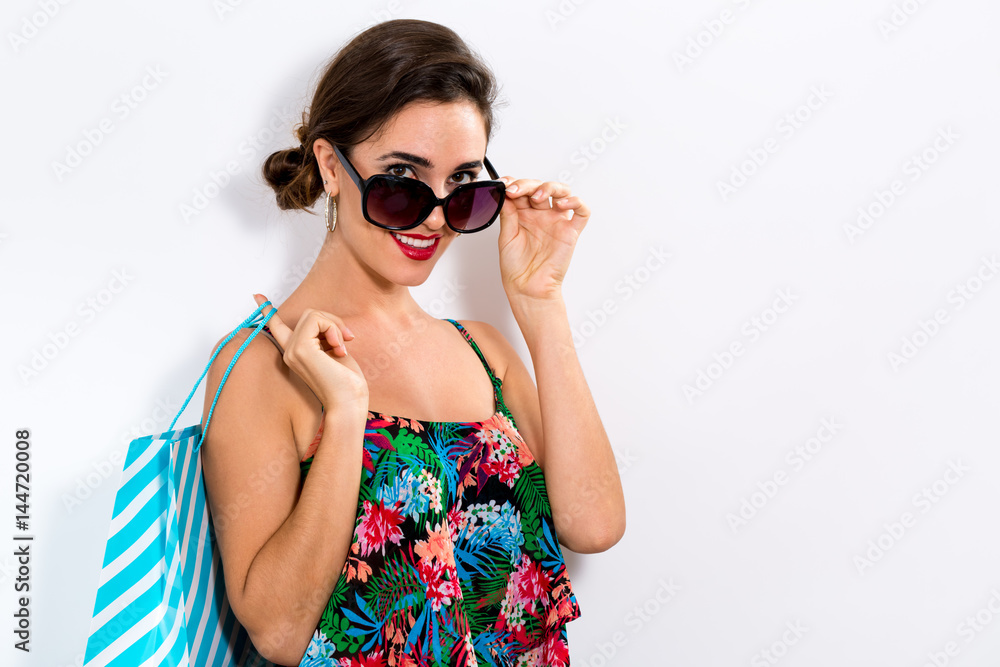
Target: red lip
(418,253)
(419,236)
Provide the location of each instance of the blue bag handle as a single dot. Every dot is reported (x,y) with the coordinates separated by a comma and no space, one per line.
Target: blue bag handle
(250,321)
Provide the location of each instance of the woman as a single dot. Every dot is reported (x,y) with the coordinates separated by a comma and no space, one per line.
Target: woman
(354,535)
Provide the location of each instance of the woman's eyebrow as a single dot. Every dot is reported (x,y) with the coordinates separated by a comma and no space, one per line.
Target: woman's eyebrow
(424,162)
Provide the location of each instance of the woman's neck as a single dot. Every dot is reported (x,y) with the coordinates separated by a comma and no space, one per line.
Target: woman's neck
(340,284)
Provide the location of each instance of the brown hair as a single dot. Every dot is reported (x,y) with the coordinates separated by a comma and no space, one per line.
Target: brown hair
(367,82)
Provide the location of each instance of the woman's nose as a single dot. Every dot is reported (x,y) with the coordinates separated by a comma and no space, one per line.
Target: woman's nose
(436,218)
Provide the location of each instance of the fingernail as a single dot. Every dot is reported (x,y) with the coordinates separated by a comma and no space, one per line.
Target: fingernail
(512,188)
(537,195)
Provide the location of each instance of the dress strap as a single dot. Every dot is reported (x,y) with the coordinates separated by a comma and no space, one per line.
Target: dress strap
(270,336)
(267,331)
(497,395)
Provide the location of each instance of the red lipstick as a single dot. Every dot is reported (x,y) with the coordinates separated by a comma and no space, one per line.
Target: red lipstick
(416,253)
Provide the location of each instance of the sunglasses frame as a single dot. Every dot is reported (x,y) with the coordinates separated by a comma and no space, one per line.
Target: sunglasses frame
(364,185)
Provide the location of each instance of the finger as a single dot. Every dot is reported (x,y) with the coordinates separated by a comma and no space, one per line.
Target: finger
(324,326)
(553,189)
(508,223)
(574,208)
(522,187)
(540,198)
(345,331)
(335,337)
(567,205)
(278,328)
(337,320)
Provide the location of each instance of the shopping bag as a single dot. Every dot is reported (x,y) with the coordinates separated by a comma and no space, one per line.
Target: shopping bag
(161,597)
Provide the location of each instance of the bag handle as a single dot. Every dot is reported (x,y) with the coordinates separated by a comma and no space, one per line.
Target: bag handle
(250,321)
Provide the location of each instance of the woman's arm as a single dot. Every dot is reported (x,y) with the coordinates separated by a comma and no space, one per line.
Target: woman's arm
(561,426)
(282,548)
(540,224)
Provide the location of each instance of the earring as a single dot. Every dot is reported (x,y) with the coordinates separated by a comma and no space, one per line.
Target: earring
(330,225)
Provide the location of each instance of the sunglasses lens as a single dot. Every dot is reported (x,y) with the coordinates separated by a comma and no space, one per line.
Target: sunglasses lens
(475,207)
(396,203)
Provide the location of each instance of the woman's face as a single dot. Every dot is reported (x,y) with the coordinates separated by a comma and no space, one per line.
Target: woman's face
(430,142)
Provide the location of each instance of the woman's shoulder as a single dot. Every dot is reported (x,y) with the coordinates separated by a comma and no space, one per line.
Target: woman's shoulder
(259,365)
(492,343)
(261,371)
(259,351)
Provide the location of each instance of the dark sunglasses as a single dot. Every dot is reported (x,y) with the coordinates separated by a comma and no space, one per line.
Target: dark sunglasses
(397,202)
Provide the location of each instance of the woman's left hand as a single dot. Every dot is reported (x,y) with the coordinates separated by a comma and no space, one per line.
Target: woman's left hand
(537,238)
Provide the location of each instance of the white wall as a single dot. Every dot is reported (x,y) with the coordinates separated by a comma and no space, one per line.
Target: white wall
(849,348)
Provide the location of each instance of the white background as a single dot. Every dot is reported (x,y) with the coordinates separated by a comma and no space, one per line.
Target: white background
(662,133)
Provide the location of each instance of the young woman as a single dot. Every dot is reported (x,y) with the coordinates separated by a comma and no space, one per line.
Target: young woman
(395,488)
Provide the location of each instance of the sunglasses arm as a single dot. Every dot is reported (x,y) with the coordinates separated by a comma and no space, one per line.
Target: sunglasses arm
(489,168)
(351,171)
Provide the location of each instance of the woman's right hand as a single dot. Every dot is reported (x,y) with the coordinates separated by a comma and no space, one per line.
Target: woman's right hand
(315,350)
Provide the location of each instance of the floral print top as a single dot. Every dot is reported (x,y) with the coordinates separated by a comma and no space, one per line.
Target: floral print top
(455,559)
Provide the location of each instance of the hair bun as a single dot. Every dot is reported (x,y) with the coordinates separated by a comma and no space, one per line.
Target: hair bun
(286,171)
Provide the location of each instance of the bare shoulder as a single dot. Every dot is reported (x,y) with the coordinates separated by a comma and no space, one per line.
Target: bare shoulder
(259,369)
(254,396)
(494,346)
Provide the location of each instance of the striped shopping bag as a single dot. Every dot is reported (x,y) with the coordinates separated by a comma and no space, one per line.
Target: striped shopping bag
(161,598)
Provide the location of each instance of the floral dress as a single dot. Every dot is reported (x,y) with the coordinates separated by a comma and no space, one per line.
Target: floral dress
(455,559)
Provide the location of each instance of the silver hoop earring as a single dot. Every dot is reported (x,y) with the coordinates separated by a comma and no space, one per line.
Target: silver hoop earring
(330,225)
